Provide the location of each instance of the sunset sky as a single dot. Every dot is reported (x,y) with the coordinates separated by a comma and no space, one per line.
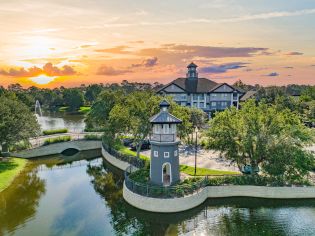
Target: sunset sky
(50,43)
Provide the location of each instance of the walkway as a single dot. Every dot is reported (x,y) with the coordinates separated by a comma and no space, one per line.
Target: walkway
(39,141)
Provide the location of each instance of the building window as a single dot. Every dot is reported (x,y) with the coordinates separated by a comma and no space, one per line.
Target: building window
(201,105)
(213,95)
(156,154)
(223,104)
(213,104)
(183,103)
(166,154)
(195,104)
(175,153)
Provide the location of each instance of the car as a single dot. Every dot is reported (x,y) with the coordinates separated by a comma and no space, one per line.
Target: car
(145,145)
(127,141)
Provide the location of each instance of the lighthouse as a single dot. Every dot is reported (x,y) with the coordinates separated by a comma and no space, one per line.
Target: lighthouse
(164,168)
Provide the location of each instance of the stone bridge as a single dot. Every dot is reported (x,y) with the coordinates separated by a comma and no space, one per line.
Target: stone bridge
(65,148)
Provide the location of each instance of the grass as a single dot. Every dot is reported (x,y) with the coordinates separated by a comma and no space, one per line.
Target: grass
(127,151)
(55,131)
(9,170)
(57,140)
(84,109)
(204,171)
(189,170)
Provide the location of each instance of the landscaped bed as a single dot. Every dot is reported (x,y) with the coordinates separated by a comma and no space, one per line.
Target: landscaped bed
(9,169)
(57,140)
(55,131)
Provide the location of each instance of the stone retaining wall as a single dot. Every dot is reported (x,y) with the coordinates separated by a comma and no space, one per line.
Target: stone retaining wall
(169,205)
(191,201)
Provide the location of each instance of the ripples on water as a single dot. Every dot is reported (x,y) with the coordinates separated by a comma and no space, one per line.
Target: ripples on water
(85,198)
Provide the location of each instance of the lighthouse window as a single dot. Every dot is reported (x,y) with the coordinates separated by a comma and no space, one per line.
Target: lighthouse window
(156,154)
(166,154)
(175,153)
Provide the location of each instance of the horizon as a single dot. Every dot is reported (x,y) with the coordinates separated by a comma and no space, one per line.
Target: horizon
(76,42)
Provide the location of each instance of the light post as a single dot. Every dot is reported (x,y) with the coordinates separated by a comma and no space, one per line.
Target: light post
(196,132)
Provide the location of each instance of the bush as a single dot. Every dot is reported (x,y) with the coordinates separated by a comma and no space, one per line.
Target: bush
(20,146)
(55,131)
(86,129)
(92,137)
(255,180)
(140,176)
(57,140)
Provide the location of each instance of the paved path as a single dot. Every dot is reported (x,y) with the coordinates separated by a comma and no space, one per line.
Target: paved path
(205,159)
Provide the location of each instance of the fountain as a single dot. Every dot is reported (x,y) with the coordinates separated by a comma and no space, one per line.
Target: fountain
(38,109)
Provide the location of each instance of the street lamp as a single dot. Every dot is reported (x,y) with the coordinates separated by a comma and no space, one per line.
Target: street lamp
(196,132)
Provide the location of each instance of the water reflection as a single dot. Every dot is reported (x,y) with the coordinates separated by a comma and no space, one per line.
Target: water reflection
(74,196)
(57,120)
(19,204)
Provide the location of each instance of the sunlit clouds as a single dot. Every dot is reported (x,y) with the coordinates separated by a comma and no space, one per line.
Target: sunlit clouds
(78,42)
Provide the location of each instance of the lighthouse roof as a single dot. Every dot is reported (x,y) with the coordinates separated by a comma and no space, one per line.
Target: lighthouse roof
(164,117)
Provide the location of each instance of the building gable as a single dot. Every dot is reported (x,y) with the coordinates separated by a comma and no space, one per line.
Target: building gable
(223,88)
(173,88)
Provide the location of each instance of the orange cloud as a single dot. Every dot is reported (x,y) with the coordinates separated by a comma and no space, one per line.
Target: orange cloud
(48,69)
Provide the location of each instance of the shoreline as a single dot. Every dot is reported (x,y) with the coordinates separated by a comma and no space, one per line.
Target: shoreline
(164,205)
(9,175)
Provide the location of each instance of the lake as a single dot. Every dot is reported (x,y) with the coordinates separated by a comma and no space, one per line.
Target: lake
(57,120)
(52,197)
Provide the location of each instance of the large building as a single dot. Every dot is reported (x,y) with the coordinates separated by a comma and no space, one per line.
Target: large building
(201,92)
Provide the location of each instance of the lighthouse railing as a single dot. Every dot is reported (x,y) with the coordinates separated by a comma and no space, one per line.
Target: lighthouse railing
(163,137)
(157,191)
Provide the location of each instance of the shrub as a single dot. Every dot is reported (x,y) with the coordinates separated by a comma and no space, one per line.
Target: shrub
(94,129)
(20,146)
(140,176)
(57,140)
(55,131)
(92,137)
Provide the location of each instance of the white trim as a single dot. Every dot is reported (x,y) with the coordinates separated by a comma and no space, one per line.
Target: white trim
(155,153)
(170,166)
(168,155)
(175,153)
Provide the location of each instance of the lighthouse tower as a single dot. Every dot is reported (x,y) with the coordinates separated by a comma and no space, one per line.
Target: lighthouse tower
(164,168)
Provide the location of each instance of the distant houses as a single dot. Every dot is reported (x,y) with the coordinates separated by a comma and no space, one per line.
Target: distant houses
(201,92)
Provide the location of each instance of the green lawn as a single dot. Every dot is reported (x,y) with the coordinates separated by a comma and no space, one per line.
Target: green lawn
(204,171)
(85,109)
(189,170)
(127,151)
(9,170)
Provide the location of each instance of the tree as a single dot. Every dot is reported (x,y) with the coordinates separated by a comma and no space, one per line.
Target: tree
(92,91)
(73,98)
(263,136)
(99,115)
(17,123)
(134,115)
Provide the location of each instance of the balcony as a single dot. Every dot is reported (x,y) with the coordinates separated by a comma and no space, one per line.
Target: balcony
(163,138)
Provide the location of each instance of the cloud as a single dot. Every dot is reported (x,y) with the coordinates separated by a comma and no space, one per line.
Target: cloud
(217,69)
(115,50)
(150,62)
(249,17)
(273,74)
(288,67)
(48,69)
(110,71)
(176,52)
(294,53)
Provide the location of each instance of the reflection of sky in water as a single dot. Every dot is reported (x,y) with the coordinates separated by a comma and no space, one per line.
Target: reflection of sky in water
(74,123)
(69,207)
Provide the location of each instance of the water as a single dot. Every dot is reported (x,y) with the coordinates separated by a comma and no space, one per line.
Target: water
(85,198)
(58,120)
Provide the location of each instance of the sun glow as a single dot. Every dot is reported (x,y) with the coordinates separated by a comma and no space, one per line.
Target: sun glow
(43,79)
